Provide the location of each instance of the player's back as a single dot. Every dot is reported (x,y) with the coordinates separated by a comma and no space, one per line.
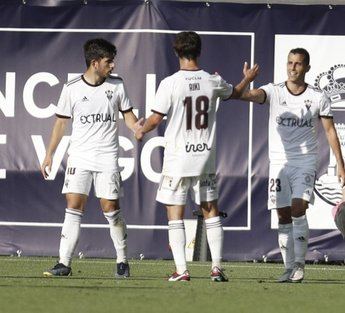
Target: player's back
(189,99)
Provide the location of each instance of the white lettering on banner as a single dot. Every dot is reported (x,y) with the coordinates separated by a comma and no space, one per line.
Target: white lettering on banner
(145,158)
(7,99)
(28,94)
(58,155)
(126,163)
(3,140)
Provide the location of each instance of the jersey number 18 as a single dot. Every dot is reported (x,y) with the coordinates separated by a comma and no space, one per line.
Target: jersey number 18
(201,107)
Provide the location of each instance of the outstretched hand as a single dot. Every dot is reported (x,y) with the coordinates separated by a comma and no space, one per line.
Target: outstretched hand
(137,129)
(250,73)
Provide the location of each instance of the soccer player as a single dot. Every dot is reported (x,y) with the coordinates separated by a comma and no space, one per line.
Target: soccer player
(188,99)
(295,111)
(93,102)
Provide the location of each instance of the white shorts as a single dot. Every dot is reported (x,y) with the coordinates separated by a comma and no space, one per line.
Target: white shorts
(288,182)
(174,190)
(107,185)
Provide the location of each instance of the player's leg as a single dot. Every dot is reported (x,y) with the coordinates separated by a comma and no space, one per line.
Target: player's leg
(300,237)
(302,193)
(76,187)
(205,194)
(172,192)
(215,238)
(279,198)
(177,241)
(118,234)
(286,242)
(108,187)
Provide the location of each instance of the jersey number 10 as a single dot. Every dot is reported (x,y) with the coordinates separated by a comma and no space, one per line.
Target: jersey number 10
(201,107)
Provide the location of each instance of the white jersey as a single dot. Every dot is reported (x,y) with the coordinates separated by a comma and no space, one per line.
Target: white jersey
(293,124)
(189,100)
(95,111)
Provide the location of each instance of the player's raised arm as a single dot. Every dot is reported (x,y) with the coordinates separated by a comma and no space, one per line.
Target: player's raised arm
(249,75)
(57,133)
(333,141)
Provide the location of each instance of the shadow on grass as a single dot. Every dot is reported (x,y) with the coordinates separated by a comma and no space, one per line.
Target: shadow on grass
(85,278)
(78,287)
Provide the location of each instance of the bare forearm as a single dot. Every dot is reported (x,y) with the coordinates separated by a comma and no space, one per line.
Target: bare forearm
(57,133)
(240,88)
(130,119)
(335,146)
(151,123)
(255,95)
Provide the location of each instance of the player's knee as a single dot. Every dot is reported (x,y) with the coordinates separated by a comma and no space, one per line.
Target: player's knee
(298,207)
(284,215)
(109,206)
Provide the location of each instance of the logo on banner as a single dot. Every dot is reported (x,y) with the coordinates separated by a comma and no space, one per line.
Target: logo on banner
(333,83)
(327,187)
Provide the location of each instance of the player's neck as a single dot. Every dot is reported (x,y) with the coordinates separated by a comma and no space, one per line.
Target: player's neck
(297,87)
(188,65)
(92,78)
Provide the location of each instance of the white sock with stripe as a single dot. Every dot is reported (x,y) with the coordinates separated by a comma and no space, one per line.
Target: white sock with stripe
(300,230)
(177,241)
(118,233)
(69,235)
(215,237)
(286,244)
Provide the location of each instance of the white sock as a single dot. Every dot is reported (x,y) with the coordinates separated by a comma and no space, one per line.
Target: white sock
(215,237)
(300,236)
(286,244)
(69,235)
(118,233)
(177,241)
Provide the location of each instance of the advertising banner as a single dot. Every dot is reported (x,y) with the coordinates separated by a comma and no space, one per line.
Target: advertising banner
(42,48)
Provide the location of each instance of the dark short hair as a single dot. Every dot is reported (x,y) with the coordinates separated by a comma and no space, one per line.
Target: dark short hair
(302,51)
(187,45)
(98,48)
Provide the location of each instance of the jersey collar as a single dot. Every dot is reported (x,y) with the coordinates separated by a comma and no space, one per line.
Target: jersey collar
(92,85)
(296,94)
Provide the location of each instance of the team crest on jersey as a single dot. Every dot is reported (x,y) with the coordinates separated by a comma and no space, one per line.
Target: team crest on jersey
(332,82)
(307,104)
(109,94)
(273,199)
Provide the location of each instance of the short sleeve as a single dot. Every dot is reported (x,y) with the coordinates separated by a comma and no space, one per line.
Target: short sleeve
(64,107)
(163,97)
(222,89)
(268,90)
(325,106)
(124,101)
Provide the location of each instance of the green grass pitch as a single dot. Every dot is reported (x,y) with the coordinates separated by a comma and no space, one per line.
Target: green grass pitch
(93,288)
